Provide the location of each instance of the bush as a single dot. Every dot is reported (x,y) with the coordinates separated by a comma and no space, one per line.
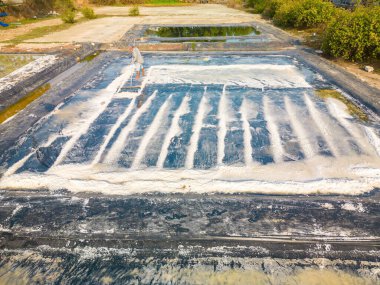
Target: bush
(354,35)
(257,5)
(286,14)
(303,13)
(68,16)
(88,13)
(271,7)
(313,13)
(134,11)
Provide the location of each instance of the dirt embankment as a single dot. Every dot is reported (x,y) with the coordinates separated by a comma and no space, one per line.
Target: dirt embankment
(371,78)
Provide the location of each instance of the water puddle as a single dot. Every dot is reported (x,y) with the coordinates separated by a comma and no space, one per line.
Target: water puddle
(225,34)
(201,31)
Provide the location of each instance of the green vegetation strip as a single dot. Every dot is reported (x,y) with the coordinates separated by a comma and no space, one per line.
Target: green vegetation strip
(42,31)
(21,22)
(90,57)
(21,104)
(353,109)
(166,3)
(199,31)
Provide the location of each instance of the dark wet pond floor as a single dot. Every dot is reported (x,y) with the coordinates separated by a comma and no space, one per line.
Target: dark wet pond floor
(188,239)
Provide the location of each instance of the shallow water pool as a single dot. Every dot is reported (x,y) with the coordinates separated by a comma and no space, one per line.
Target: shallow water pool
(227,34)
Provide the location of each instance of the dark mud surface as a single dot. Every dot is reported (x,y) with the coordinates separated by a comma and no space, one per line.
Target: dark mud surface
(159,239)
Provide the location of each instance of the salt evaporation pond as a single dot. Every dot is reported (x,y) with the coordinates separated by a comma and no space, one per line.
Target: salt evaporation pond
(217,123)
(228,34)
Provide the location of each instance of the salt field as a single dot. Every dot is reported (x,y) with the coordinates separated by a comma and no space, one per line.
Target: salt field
(245,153)
(200,123)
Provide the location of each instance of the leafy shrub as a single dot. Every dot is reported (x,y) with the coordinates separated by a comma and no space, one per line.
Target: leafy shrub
(312,13)
(257,5)
(134,11)
(303,13)
(88,13)
(271,7)
(68,16)
(286,14)
(354,35)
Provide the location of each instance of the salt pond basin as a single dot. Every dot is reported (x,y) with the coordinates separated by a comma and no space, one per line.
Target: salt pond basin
(199,123)
(258,163)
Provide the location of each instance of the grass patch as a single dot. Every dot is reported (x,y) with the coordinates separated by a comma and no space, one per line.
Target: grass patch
(42,31)
(9,63)
(166,3)
(352,109)
(26,21)
(90,57)
(21,104)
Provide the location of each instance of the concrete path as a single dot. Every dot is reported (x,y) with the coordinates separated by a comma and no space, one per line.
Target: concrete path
(112,28)
(103,30)
(212,13)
